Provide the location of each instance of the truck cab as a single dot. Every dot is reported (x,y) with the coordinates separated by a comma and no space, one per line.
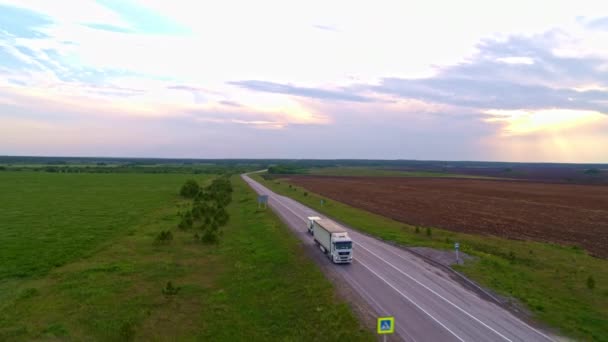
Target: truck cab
(342,248)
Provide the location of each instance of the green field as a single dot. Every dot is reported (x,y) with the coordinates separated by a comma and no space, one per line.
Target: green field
(79,262)
(550,280)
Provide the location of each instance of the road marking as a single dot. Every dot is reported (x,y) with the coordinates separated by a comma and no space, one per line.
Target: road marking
(435,293)
(381,310)
(402,257)
(409,299)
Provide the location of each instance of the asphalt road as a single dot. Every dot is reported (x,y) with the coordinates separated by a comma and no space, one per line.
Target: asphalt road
(428,305)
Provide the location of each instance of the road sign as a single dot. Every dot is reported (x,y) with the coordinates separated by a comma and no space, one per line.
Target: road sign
(456,245)
(386,325)
(262,200)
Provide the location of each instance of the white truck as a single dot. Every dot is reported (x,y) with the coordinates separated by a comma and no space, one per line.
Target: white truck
(332,239)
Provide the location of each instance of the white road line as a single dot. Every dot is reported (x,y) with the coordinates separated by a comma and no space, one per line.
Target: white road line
(381,310)
(402,257)
(435,293)
(410,300)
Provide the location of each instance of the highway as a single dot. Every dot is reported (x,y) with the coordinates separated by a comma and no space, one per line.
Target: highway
(427,303)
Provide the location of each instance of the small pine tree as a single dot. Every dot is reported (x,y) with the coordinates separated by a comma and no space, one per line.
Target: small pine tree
(190,189)
(590,282)
(170,290)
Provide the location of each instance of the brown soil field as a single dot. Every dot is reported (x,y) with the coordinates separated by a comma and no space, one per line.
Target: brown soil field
(558,213)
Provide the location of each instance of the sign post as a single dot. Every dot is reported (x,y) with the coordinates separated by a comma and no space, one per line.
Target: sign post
(457,247)
(386,325)
(262,201)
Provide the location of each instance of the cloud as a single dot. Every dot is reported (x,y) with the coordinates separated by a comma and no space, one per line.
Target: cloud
(108,27)
(143,19)
(19,22)
(186,88)
(535,78)
(326,28)
(288,89)
(230,103)
(598,24)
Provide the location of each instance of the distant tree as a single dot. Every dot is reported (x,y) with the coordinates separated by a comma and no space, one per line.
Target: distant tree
(190,189)
(186,221)
(590,283)
(592,172)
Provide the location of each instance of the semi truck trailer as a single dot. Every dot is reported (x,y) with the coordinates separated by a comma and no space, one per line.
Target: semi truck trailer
(332,239)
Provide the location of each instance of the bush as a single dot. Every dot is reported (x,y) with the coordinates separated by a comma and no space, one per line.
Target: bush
(190,189)
(592,172)
(417,230)
(210,236)
(590,282)
(170,290)
(186,221)
(127,331)
(164,236)
(428,232)
(305,193)
(512,257)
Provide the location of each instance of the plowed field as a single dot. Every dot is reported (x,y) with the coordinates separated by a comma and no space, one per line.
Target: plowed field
(559,213)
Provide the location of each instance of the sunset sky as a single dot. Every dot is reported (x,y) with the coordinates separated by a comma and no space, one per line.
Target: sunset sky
(449,80)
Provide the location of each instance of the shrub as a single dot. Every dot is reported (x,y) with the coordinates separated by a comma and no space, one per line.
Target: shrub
(164,236)
(590,282)
(127,331)
(190,189)
(592,172)
(428,231)
(305,193)
(210,236)
(170,290)
(417,230)
(511,257)
(186,221)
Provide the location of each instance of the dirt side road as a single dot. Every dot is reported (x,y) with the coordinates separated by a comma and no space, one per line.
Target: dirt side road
(559,213)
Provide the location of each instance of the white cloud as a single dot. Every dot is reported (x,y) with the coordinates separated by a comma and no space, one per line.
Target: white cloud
(516,60)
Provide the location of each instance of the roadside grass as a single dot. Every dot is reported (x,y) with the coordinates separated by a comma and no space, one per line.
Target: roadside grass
(255,285)
(270,289)
(550,280)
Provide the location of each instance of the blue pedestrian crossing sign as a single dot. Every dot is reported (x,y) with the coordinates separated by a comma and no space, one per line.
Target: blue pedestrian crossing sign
(386,325)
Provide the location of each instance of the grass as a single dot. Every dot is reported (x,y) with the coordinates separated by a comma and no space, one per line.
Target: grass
(380,172)
(49,219)
(550,280)
(255,285)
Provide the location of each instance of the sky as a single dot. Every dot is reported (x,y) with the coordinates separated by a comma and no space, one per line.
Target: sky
(437,80)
